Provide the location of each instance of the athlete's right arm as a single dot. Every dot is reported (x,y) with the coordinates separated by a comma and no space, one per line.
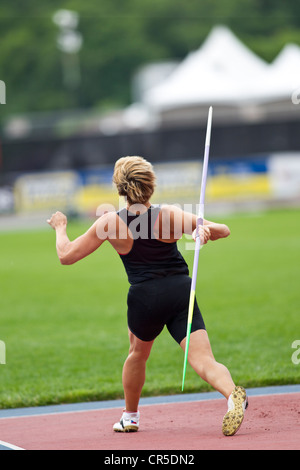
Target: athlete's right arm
(69,252)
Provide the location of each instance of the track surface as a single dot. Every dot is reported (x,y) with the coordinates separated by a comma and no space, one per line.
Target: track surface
(184,422)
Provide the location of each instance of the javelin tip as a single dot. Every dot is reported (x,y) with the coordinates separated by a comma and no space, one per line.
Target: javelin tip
(209,124)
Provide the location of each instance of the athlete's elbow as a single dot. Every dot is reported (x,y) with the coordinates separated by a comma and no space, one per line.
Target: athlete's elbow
(226,231)
(63,261)
(66,260)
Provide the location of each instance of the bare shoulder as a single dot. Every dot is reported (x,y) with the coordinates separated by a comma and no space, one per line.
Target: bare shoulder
(170,210)
(174,212)
(170,223)
(106,224)
(106,218)
(179,220)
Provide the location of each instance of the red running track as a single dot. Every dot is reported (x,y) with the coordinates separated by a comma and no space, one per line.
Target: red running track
(271,422)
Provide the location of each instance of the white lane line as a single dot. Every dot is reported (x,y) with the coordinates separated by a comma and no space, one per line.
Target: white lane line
(8,446)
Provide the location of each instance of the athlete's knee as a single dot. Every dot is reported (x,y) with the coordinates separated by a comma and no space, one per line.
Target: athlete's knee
(138,349)
(139,352)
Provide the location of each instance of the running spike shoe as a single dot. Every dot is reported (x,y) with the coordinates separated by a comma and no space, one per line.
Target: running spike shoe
(237,404)
(128,423)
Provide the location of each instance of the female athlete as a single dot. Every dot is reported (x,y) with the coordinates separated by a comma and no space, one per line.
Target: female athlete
(145,237)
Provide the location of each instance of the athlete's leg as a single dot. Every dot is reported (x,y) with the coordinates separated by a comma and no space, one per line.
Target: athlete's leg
(134,371)
(201,359)
(203,362)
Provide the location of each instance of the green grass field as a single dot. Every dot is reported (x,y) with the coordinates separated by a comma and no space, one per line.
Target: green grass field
(65,327)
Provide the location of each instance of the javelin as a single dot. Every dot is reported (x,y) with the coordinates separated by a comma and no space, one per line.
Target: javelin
(198,242)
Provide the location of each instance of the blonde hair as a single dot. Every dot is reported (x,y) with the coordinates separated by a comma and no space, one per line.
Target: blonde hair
(135,179)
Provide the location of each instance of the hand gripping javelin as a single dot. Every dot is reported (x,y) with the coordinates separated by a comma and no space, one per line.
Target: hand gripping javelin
(198,242)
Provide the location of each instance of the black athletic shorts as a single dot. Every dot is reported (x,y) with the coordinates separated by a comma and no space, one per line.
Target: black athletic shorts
(158,302)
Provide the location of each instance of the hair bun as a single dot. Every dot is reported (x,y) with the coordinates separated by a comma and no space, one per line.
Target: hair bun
(134,178)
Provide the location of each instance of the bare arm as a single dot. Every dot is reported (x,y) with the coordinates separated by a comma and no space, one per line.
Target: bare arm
(174,222)
(69,252)
(217,230)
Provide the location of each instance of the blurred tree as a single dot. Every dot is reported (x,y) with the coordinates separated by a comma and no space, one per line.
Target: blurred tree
(118,37)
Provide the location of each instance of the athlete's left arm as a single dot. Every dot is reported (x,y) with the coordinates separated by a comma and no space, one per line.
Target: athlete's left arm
(174,222)
(69,252)
(216,230)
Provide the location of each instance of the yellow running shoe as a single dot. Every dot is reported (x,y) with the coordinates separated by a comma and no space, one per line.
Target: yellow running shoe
(237,404)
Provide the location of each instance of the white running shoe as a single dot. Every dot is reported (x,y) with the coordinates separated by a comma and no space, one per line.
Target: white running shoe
(128,423)
(237,404)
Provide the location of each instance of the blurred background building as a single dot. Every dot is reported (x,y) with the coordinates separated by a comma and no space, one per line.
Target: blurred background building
(84,88)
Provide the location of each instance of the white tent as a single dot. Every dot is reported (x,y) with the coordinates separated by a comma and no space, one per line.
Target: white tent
(283,77)
(223,71)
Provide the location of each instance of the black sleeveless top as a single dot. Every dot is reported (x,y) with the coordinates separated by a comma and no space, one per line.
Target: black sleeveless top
(149,258)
